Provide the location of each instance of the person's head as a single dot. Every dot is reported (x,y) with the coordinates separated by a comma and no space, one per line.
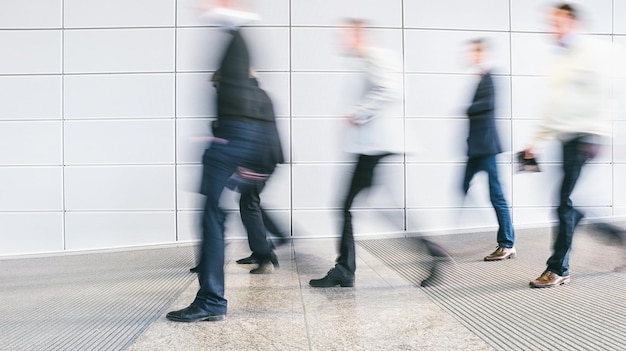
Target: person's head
(563,20)
(476,51)
(355,35)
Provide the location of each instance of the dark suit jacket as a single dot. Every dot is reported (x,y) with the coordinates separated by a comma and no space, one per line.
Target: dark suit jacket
(483,136)
(240,97)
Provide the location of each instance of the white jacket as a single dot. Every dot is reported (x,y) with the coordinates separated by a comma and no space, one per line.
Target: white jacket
(578,99)
(373,134)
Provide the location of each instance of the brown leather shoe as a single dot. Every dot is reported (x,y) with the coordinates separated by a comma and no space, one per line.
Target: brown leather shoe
(501,253)
(549,279)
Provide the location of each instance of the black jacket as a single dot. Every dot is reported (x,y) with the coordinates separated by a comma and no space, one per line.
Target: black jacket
(238,96)
(483,136)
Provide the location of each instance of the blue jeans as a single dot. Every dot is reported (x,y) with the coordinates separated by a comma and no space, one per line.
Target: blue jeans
(506,234)
(245,147)
(576,153)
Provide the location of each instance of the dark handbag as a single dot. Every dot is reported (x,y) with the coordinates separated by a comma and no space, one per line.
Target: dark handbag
(526,164)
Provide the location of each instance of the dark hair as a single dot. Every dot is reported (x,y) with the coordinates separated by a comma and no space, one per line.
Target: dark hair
(355,22)
(482,42)
(569,9)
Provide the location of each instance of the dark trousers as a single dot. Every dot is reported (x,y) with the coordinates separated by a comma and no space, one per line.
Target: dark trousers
(575,154)
(256,221)
(506,234)
(220,162)
(361,179)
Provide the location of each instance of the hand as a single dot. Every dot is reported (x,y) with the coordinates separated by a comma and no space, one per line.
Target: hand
(528,153)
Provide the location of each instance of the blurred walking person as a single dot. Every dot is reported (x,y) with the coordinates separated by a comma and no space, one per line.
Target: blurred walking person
(577,114)
(369,139)
(242,146)
(483,146)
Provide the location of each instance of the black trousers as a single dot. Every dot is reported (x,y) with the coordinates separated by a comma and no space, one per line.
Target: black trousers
(576,153)
(362,178)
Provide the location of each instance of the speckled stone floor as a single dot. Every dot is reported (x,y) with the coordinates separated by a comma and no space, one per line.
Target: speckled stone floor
(118,300)
(281,312)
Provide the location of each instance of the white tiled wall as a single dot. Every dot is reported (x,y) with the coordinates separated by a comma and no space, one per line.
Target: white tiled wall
(103,105)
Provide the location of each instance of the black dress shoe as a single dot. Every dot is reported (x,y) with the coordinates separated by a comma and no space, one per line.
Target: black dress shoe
(248,260)
(194,269)
(263,268)
(336,276)
(194,314)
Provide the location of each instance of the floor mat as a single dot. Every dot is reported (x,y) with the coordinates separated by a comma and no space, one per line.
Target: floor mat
(94,301)
(494,301)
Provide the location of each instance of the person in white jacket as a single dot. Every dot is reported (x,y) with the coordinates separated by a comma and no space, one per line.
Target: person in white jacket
(576,113)
(369,137)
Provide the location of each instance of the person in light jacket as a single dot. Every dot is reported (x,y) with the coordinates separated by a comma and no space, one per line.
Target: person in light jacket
(577,114)
(369,137)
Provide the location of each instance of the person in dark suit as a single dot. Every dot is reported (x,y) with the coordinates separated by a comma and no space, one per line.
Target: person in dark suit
(250,184)
(242,147)
(483,146)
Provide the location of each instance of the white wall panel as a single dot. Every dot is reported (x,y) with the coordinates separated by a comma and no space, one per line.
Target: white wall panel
(534,216)
(531,53)
(195,95)
(188,181)
(19,92)
(436,140)
(377,221)
(119,142)
(31,52)
(119,50)
(96,230)
(119,95)
(438,95)
(189,226)
(31,189)
(594,187)
(537,189)
(319,186)
(199,49)
(619,186)
(534,15)
(119,188)
(528,96)
(36,232)
(434,185)
(450,220)
(119,13)
(31,143)
(619,13)
(447,51)
(321,94)
(457,14)
(320,140)
(31,14)
(331,13)
(619,142)
(320,223)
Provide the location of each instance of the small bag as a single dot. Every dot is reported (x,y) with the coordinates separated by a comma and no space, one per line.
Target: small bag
(526,164)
